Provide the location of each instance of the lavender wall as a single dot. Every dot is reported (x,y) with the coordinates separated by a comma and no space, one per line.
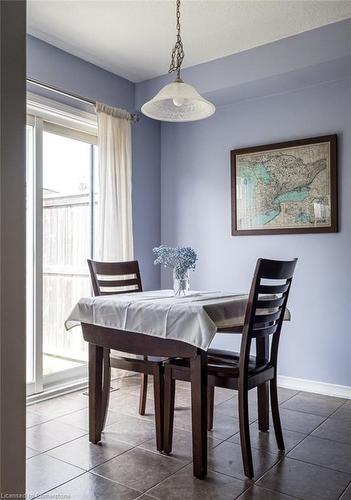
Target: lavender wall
(293,88)
(296,87)
(53,66)
(147,198)
(196,212)
(297,61)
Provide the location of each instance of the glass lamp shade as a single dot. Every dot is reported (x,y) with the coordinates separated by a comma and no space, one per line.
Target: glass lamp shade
(178,102)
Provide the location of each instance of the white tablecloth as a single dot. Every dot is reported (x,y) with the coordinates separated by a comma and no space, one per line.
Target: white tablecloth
(194,318)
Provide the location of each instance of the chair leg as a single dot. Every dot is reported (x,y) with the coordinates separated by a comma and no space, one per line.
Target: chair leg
(106,385)
(159,406)
(143,393)
(263,406)
(262,355)
(245,433)
(275,415)
(169,396)
(210,406)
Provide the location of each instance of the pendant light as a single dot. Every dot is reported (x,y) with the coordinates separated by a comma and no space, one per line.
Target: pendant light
(178,101)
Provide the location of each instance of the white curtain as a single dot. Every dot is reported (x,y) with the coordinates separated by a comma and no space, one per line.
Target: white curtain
(115,242)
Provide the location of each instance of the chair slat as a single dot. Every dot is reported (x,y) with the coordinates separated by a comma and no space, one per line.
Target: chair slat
(117,292)
(270,303)
(276,270)
(117,283)
(271,289)
(263,325)
(263,332)
(267,318)
(115,268)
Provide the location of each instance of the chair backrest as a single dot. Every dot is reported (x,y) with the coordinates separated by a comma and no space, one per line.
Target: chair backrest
(266,307)
(109,278)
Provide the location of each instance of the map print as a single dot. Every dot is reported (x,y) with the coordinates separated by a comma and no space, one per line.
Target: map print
(284,188)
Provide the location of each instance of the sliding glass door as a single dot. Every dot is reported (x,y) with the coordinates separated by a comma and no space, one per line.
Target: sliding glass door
(30,245)
(61,205)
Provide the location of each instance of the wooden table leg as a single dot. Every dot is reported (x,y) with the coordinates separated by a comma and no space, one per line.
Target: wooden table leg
(95,392)
(262,355)
(106,386)
(198,366)
(168,403)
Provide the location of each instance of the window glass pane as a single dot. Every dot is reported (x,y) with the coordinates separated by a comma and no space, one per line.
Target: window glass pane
(66,166)
(66,247)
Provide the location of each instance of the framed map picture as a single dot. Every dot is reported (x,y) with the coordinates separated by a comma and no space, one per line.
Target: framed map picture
(284,188)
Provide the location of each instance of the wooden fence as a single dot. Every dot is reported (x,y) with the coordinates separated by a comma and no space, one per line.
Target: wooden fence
(67,245)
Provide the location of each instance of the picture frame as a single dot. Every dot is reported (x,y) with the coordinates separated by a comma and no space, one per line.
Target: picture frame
(285,188)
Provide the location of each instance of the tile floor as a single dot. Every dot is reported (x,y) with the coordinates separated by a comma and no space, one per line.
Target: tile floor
(62,464)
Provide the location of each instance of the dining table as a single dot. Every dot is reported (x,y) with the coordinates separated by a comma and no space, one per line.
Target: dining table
(157,323)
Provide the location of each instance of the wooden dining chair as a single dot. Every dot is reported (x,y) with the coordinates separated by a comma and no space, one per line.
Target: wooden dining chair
(110,278)
(240,371)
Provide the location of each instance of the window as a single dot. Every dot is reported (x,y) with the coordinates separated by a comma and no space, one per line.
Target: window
(61,209)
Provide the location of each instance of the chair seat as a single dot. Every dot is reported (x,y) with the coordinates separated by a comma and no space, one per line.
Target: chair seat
(223,363)
(122,355)
(227,363)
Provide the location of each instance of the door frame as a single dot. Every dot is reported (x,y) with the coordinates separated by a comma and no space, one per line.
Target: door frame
(49,115)
(12,247)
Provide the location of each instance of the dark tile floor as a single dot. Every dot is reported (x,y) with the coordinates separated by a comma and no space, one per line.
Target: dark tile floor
(63,464)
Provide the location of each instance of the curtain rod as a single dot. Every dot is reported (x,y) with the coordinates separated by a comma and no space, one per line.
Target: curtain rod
(135,117)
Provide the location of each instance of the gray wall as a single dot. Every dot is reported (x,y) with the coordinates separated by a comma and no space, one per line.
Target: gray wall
(53,66)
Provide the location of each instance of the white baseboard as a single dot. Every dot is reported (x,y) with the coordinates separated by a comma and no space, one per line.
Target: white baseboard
(300,384)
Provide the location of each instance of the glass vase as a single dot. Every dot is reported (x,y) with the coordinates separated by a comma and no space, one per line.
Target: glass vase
(181,283)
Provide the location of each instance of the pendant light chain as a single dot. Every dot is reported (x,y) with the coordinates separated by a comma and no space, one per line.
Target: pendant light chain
(178,50)
(177,101)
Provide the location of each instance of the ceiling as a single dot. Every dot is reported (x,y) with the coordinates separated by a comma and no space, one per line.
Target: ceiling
(134,38)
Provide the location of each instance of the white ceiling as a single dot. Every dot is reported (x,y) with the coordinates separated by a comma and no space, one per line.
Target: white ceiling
(134,38)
